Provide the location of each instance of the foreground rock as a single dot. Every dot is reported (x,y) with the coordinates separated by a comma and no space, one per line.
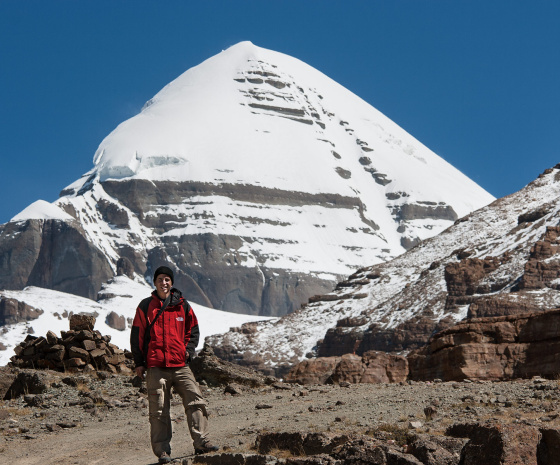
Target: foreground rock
(216,372)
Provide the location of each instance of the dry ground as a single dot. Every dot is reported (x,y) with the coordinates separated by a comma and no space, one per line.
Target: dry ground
(115,430)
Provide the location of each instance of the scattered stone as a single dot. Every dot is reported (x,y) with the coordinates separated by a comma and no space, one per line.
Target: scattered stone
(262,406)
(430,412)
(233,389)
(415,424)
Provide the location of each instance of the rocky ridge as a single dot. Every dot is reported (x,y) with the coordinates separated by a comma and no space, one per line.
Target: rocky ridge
(490,348)
(499,260)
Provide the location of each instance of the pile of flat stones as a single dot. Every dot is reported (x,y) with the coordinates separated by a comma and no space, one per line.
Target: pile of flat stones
(81,349)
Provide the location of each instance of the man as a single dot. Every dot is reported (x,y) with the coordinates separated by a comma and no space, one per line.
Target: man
(163,339)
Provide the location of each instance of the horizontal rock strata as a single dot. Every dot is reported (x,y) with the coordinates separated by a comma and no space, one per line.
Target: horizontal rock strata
(493,348)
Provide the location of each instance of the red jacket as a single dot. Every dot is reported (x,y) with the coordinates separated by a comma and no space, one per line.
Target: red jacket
(173,337)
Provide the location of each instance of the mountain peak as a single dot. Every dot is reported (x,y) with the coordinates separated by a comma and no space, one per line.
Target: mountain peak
(262,181)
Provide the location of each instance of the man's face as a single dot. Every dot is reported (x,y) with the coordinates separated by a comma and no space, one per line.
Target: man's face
(163,285)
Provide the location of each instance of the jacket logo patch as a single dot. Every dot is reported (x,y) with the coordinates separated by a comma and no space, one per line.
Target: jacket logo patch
(180,318)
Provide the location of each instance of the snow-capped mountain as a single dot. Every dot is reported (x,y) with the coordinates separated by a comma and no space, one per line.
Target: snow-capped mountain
(260,179)
(502,259)
(119,297)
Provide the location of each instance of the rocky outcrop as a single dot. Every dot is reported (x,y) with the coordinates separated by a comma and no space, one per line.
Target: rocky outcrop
(313,371)
(80,349)
(499,444)
(371,367)
(543,267)
(216,372)
(497,348)
(54,254)
(462,278)
(409,334)
(481,285)
(502,305)
(488,443)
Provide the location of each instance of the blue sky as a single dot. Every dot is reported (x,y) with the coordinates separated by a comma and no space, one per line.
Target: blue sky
(478,82)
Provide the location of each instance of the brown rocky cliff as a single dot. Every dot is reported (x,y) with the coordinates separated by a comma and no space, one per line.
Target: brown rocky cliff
(498,348)
(541,270)
(371,367)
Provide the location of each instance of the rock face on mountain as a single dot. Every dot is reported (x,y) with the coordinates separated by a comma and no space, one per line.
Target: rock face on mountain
(500,260)
(260,180)
(51,253)
(493,348)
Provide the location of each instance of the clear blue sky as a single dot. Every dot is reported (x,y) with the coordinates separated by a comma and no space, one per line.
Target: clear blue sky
(476,81)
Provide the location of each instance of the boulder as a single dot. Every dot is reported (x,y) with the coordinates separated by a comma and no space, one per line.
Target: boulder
(29,382)
(497,444)
(236,459)
(116,321)
(548,450)
(12,311)
(300,443)
(372,367)
(437,450)
(216,372)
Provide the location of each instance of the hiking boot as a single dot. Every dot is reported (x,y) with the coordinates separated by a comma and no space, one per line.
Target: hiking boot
(205,448)
(164,458)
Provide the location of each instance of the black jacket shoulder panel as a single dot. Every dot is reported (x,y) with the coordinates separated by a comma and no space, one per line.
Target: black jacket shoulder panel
(145,304)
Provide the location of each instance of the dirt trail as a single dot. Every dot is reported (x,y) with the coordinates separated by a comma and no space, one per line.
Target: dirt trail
(120,435)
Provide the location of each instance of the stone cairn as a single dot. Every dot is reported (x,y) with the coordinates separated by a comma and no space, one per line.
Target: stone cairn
(82,349)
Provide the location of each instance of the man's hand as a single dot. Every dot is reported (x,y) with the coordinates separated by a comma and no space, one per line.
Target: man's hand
(140,372)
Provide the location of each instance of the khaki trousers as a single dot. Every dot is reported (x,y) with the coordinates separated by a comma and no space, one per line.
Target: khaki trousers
(159,382)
